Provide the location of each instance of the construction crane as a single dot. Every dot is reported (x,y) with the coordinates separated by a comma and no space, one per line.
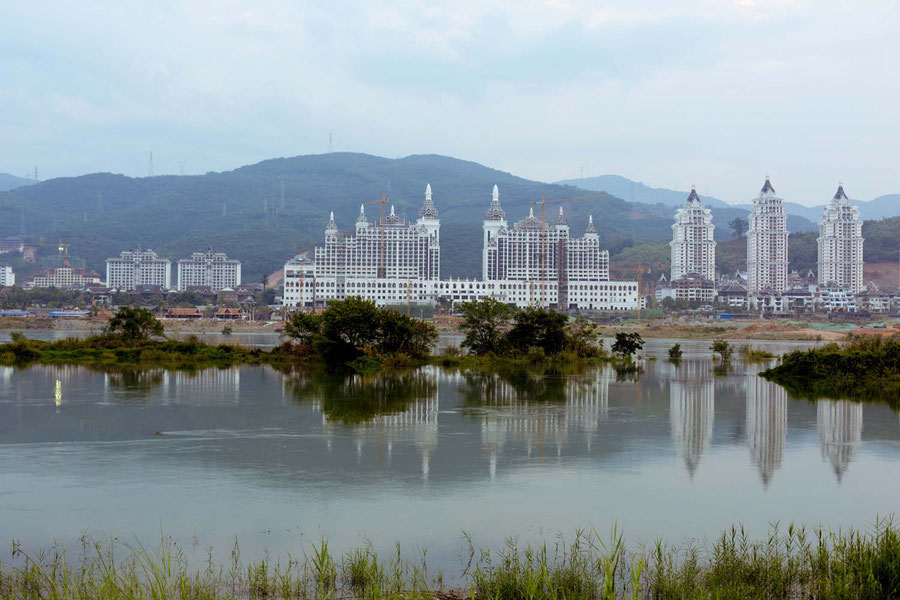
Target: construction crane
(383,202)
(640,269)
(544,234)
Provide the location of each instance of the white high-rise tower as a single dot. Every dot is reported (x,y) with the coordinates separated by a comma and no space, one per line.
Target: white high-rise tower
(693,246)
(841,244)
(494,223)
(767,243)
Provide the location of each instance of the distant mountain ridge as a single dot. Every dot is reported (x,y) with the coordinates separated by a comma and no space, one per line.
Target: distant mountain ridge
(879,208)
(242,213)
(662,201)
(11,182)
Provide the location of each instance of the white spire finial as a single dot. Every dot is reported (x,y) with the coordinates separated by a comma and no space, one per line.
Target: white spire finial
(331,216)
(560,211)
(530,212)
(362,208)
(428,191)
(496,193)
(392,210)
(591,219)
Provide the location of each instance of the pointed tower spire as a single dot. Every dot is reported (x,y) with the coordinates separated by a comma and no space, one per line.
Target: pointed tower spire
(590,225)
(362,214)
(839,194)
(767,187)
(693,198)
(530,212)
(561,219)
(495,212)
(331,225)
(392,211)
(428,210)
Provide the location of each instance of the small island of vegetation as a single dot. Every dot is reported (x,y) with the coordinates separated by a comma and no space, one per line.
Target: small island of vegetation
(863,368)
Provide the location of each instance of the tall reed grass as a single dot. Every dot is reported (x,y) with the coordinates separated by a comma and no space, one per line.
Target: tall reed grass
(791,563)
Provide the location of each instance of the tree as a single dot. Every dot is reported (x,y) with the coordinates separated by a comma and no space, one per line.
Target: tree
(627,344)
(538,328)
(675,352)
(483,322)
(399,333)
(739,227)
(303,327)
(134,324)
(583,338)
(348,328)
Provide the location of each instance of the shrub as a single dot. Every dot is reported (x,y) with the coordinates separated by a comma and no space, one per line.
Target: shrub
(723,349)
(675,352)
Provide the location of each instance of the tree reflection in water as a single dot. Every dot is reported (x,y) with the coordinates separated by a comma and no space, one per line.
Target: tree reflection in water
(357,398)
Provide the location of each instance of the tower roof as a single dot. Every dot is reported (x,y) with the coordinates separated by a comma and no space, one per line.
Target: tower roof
(839,194)
(495,212)
(428,210)
(767,188)
(561,219)
(693,198)
(590,225)
(362,214)
(331,224)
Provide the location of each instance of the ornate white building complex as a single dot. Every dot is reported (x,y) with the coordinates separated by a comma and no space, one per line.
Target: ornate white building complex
(693,246)
(841,244)
(137,267)
(395,261)
(209,269)
(767,244)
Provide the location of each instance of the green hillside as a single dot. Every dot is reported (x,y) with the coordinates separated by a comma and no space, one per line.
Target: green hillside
(241,211)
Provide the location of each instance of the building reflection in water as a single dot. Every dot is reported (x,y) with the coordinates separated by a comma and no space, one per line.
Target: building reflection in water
(766,424)
(692,411)
(209,387)
(840,432)
(410,417)
(538,413)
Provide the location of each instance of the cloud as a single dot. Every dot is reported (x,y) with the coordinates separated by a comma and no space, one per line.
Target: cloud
(710,92)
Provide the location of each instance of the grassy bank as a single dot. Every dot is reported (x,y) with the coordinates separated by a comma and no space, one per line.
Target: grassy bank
(794,563)
(864,368)
(111,350)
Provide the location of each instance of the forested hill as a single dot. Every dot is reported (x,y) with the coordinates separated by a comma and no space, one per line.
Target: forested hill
(241,211)
(10,182)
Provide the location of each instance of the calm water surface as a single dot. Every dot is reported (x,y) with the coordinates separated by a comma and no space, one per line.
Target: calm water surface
(280,461)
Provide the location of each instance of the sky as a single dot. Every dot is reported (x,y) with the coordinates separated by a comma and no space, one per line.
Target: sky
(718,94)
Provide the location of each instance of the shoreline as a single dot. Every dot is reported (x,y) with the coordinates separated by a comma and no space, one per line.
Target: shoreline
(755,329)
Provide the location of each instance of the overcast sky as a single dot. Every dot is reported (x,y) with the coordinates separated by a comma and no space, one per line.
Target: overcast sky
(715,93)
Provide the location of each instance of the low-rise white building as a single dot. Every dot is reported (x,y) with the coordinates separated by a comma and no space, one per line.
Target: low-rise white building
(7,277)
(209,269)
(837,298)
(873,300)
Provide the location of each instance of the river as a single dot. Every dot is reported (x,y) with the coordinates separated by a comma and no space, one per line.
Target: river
(280,461)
